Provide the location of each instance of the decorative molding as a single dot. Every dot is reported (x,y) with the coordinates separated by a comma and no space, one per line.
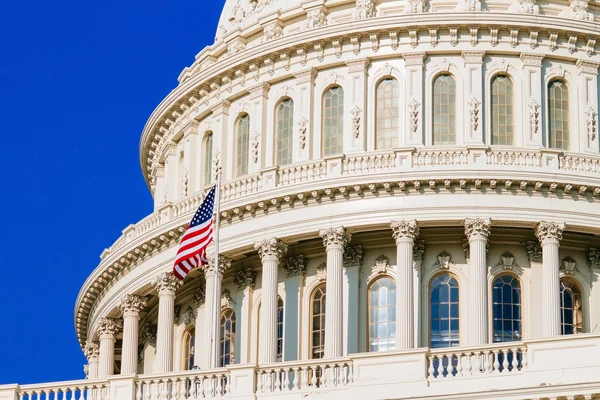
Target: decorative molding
(556,70)
(199,296)
(568,265)
(591,120)
(416,6)
(322,272)
(302,128)
(189,316)
(356,117)
(405,230)
(335,237)
(531,59)
(525,7)
(224,265)
(255,146)
(507,261)
(468,5)
(578,9)
(295,266)
(549,231)
(176,313)
(474,113)
(353,256)
(534,251)
(414,58)
(132,303)
(534,115)
(364,9)
(443,260)
(166,283)
(473,56)
(226,299)
(382,263)
(413,111)
(245,278)
(418,250)
(316,17)
(272,31)
(272,249)
(148,334)
(588,66)
(593,258)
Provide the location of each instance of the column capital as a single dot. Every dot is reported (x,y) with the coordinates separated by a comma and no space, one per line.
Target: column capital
(418,250)
(109,327)
(271,249)
(295,266)
(91,349)
(549,231)
(166,283)
(477,228)
(148,334)
(405,231)
(224,265)
(199,296)
(245,278)
(353,256)
(132,304)
(534,251)
(335,237)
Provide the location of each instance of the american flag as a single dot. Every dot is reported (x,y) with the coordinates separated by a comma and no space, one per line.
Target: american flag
(197,236)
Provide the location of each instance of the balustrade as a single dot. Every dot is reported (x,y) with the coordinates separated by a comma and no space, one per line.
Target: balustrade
(293,174)
(75,390)
(369,163)
(184,386)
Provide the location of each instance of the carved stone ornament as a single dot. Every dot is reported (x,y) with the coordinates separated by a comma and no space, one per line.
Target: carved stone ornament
(216,164)
(593,258)
(224,265)
(591,123)
(237,14)
(295,266)
(337,237)
(91,350)
(525,7)
(365,9)
(413,112)
(166,283)
(443,260)
(272,31)
(272,248)
(148,335)
(405,230)
(316,18)
(382,263)
(468,5)
(199,296)
(86,370)
(416,6)
(189,316)
(322,272)
(255,146)
(236,46)
(474,113)
(507,261)
(302,128)
(185,183)
(227,300)
(534,115)
(245,278)
(568,265)
(578,9)
(418,250)
(176,313)
(353,256)
(534,251)
(132,303)
(546,230)
(477,228)
(109,327)
(356,116)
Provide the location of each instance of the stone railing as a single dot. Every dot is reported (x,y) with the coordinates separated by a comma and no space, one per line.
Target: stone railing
(568,366)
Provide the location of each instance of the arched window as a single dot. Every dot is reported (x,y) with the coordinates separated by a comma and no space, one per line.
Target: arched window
(387,121)
(558,115)
(382,315)
(279,329)
(188,347)
(227,354)
(503,124)
(443,306)
(317,325)
(284,132)
(506,308)
(333,121)
(242,140)
(444,110)
(207,167)
(571,313)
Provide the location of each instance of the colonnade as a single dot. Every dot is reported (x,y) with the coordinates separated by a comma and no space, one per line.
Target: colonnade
(101,355)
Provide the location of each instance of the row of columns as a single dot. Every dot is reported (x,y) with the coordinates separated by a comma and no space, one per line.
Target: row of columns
(101,356)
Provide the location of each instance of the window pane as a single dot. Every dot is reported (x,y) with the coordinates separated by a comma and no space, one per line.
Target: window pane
(502,116)
(382,315)
(333,113)
(444,311)
(318,323)
(242,143)
(571,313)
(208,145)
(284,126)
(558,115)
(387,118)
(506,308)
(444,99)
(227,355)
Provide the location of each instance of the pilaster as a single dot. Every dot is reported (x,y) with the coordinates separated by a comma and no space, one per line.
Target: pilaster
(353,261)
(258,118)
(191,161)
(295,272)
(221,138)
(170,178)
(357,80)
(303,114)
(474,96)
(414,125)
(533,126)
(587,112)
(245,281)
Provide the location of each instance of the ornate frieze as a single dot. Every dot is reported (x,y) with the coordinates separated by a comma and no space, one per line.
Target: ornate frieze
(316,17)
(364,9)
(295,266)
(593,258)
(199,296)
(525,7)
(356,113)
(109,327)
(549,231)
(534,251)
(353,256)
(335,237)
(507,261)
(224,265)
(418,250)
(166,283)
(578,9)
(272,248)
(568,265)
(468,5)
(91,350)
(416,6)
(443,260)
(272,31)
(405,230)
(132,303)
(382,263)
(148,334)
(478,228)
(245,278)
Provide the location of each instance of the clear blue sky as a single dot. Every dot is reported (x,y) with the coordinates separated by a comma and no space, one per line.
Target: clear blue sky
(77,83)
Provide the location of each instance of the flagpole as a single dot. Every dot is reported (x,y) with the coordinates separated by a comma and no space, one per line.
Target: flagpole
(216,286)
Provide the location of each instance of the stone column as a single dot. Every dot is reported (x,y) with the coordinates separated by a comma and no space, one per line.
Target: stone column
(131,306)
(107,328)
(270,252)
(245,281)
(166,284)
(405,233)
(334,240)
(477,231)
(295,271)
(418,252)
(212,309)
(550,234)
(92,351)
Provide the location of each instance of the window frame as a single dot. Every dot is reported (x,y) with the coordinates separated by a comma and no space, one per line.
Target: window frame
(278,104)
(207,173)
(570,114)
(521,305)
(399,127)
(584,306)
(232,338)
(491,109)
(340,116)
(320,287)
(189,340)
(368,313)
(457,110)
(241,170)
(429,303)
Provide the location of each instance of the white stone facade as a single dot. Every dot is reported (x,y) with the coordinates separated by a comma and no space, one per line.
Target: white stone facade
(463,193)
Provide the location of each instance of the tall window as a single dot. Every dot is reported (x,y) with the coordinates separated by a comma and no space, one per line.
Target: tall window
(506,308)
(317,341)
(227,338)
(242,140)
(387,114)
(444,110)
(279,329)
(382,315)
(444,311)
(571,313)
(503,124)
(189,343)
(207,167)
(558,115)
(284,127)
(333,121)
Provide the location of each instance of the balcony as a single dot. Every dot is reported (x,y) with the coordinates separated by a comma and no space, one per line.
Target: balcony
(563,367)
